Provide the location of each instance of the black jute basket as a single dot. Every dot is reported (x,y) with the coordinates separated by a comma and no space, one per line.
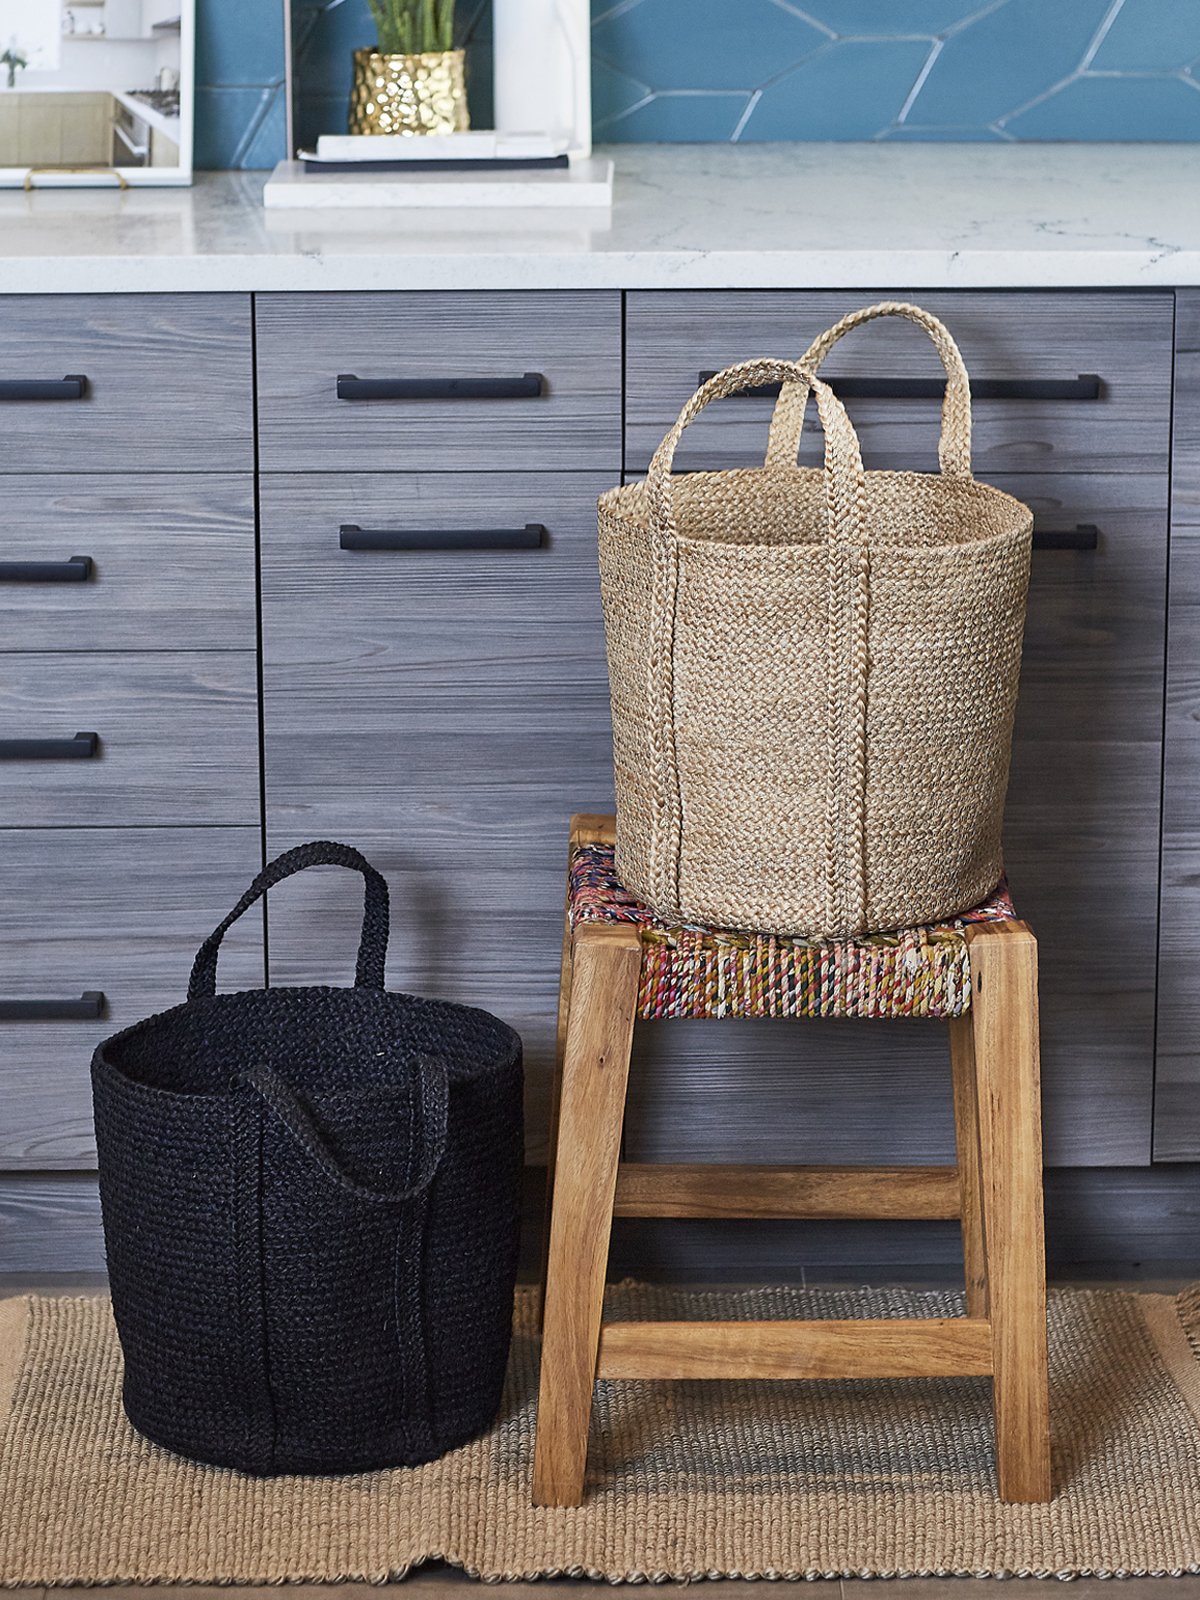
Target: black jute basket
(311,1209)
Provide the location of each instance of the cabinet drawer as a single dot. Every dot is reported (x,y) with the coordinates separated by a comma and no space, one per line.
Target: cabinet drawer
(168,560)
(570,341)
(450,567)
(1123,338)
(167,387)
(1092,666)
(177,739)
(115,911)
(433,680)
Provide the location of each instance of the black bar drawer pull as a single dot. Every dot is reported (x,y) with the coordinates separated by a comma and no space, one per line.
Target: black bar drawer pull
(89,1005)
(81,748)
(76,569)
(72,387)
(1083,536)
(526,387)
(1085,387)
(530,537)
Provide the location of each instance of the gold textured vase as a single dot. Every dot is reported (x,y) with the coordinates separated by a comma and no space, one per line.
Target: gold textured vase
(424,93)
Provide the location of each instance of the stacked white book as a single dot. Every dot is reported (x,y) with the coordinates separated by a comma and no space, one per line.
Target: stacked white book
(480,168)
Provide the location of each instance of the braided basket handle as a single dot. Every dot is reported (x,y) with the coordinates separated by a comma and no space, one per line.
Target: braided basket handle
(843,461)
(433,1092)
(372,949)
(954,445)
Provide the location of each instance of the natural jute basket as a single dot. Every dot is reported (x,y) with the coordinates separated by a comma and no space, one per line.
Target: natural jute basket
(814,671)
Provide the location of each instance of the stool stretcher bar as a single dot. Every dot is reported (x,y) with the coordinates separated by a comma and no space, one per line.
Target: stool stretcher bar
(944,1347)
(812,1193)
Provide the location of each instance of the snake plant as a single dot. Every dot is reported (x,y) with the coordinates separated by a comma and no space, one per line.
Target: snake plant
(411,27)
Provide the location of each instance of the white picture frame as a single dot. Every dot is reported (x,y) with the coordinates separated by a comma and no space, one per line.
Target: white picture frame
(104,44)
(542,70)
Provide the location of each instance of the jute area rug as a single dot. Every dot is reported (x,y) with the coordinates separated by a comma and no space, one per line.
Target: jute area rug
(685,1479)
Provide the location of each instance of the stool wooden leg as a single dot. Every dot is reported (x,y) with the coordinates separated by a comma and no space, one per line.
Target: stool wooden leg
(599,1036)
(1004,1012)
(564,1009)
(586,829)
(970,1191)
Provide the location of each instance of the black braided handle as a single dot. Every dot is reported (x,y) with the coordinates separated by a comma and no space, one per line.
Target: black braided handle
(434,1091)
(372,949)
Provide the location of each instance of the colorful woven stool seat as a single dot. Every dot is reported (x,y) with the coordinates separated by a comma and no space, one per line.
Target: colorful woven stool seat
(701,972)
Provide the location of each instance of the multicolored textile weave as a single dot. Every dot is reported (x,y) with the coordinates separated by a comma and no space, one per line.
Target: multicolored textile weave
(699,972)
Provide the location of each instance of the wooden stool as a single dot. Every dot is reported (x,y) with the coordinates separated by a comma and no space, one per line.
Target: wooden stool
(978,972)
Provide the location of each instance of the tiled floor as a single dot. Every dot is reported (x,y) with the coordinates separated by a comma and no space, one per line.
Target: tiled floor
(439,1582)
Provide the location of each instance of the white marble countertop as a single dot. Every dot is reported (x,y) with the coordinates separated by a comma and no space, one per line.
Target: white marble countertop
(685,216)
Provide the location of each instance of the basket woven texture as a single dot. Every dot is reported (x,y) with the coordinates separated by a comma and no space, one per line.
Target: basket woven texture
(814,671)
(311,1202)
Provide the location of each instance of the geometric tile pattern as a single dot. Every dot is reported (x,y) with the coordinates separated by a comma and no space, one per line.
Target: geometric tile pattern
(239,83)
(718,70)
(953,70)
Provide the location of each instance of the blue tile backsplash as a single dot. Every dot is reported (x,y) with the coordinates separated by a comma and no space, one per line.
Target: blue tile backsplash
(239,83)
(686,70)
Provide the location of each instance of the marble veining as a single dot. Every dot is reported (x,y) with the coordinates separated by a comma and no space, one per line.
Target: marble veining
(685,216)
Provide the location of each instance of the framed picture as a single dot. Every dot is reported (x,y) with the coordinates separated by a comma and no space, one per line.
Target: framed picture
(528,66)
(96,92)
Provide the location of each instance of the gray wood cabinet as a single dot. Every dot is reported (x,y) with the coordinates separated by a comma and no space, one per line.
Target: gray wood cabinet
(115,864)
(563,350)
(118,912)
(170,561)
(1122,338)
(1082,820)
(1177,1103)
(166,383)
(446,709)
(447,716)
(177,738)
(450,710)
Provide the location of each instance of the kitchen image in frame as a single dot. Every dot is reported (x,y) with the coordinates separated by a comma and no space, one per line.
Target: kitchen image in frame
(95,91)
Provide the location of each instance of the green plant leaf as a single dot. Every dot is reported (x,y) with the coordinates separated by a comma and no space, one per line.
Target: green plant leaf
(411,27)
